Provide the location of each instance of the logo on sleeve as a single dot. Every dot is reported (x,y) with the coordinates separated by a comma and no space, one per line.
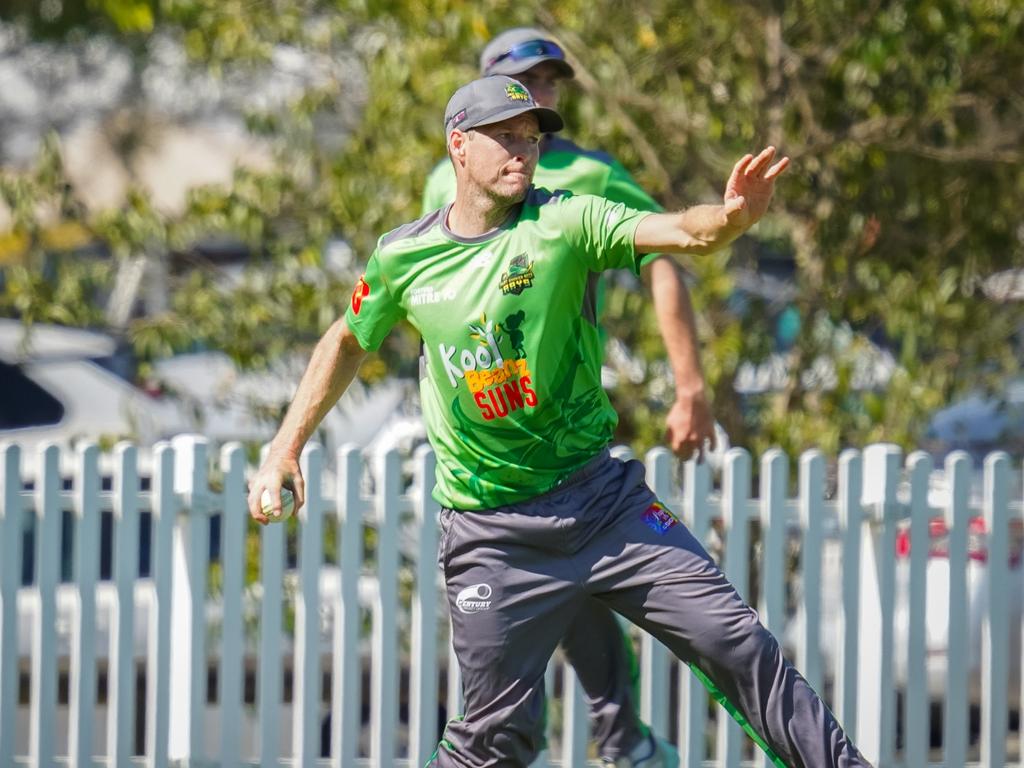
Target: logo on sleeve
(519,276)
(361,291)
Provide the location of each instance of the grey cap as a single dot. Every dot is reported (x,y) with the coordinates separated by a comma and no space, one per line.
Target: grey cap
(493,99)
(516,50)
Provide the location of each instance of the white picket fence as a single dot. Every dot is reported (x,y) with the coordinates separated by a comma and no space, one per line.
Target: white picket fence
(210,665)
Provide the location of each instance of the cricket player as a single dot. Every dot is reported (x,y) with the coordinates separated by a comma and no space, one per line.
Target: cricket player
(537,517)
(596,646)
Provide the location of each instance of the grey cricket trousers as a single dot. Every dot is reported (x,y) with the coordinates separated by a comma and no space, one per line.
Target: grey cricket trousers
(517,576)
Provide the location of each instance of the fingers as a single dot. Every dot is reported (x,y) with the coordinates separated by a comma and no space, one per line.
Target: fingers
(759,167)
(759,164)
(256,503)
(299,487)
(738,170)
(776,169)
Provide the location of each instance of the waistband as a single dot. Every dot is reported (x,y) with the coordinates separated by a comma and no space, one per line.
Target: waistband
(593,467)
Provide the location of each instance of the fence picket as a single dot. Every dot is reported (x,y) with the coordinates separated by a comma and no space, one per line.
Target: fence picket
(384,663)
(735,505)
(693,696)
(11,516)
(1020,630)
(812,485)
(121,669)
(774,482)
(82,664)
(306,674)
(995,623)
(654,656)
(876,702)
(43,707)
(574,719)
(346,699)
(269,678)
(190,558)
(916,715)
(957,705)
(848,627)
(158,663)
(773,492)
(234,523)
(423,685)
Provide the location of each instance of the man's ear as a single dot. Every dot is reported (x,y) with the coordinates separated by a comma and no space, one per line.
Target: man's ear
(457,144)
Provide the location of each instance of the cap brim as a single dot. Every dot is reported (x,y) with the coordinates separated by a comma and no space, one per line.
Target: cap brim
(548,120)
(513,68)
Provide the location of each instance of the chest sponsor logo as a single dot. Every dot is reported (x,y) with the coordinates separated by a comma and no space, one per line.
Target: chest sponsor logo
(474,599)
(360,292)
(500,381)
(519,276)
(430,295)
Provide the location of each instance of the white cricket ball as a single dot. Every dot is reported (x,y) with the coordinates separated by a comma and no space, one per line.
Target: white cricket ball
(287,505)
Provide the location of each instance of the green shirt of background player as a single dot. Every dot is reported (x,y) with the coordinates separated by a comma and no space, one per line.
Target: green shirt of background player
(533,58)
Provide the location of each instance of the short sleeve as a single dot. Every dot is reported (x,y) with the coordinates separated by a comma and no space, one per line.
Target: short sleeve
(373,310)
(602,232)
(621,187)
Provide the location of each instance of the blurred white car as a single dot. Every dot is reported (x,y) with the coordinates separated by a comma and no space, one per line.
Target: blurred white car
(937,608)
(64,384)
(937,603)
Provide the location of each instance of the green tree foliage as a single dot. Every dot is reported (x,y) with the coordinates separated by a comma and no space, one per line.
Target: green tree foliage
(903,121)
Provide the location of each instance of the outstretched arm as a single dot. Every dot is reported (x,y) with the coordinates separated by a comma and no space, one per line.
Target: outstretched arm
(705,229)
(334,363)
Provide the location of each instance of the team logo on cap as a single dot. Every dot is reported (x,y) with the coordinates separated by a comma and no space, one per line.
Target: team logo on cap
(516,92)
(519,276)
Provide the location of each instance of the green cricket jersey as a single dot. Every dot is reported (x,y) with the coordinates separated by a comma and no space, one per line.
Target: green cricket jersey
(512,396)
(562,165)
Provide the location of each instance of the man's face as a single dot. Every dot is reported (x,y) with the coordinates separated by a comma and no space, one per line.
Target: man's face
(500,158)
(543,81)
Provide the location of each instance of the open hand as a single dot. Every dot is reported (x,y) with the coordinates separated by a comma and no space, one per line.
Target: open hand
(750,187)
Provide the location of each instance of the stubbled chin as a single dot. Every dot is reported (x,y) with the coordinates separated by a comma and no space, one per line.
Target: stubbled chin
(512,190)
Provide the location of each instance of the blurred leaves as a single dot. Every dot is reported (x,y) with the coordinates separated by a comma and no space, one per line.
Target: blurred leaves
(902,119)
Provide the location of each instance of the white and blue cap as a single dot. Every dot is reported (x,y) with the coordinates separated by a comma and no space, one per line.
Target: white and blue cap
(493,99)
(516,50)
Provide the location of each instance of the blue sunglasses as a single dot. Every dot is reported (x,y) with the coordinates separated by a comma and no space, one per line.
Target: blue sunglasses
(529,50)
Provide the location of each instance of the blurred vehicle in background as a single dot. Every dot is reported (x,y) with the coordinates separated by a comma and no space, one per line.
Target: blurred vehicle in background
(65,384)
(937,603)
(980,423)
